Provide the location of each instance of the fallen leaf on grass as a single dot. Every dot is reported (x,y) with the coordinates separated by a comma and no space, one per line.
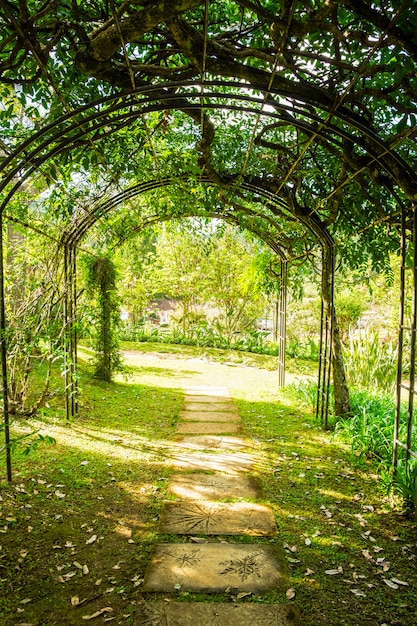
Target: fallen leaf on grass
(290,594)
(243,594)
(358,593)
(92,539)
(400,582)
(291,560)
(107,609)
(85,569)
(334,572)
(391,584)
(75,600)
(25,601)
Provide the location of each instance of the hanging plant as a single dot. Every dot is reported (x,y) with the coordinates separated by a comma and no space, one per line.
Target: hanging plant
(101,284)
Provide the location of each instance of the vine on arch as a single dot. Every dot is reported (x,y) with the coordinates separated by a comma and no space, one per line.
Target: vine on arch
(101,286)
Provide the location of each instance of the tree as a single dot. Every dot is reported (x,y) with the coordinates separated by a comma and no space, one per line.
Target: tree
(232,283)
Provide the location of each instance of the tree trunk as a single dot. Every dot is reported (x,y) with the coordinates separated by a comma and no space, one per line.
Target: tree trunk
(341,391)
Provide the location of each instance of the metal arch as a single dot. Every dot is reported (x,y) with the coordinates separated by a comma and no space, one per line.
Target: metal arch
(80,227)
(161,101)
(326,241)
(31,161)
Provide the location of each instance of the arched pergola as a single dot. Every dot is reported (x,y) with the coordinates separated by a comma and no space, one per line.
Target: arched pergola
(305,149)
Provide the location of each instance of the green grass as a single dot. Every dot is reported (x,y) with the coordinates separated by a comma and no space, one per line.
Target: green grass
(107,476)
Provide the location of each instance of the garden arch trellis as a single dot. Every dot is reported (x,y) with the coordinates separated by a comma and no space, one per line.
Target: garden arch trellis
(110,114)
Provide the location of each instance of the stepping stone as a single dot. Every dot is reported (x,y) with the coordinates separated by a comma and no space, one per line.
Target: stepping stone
(208,407)
(213,568)
(216,518)
(210,399)
(218,614)
(209,416)
(207,390)
(211,442)
(230,463)
(212,487)
(208,428)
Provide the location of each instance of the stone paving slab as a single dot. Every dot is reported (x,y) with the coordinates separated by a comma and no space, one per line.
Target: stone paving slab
(209,416)
(233,463)
(214,487)
(205,399)
(207,390)
(211,442)
(218,614)
(209,407)
(214,568)
(216,518)
(208,428)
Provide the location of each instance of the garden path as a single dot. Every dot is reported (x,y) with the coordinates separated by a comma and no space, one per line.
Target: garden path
(212,503)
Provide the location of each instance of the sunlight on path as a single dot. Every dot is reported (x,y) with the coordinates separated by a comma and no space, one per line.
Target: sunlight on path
(217,565)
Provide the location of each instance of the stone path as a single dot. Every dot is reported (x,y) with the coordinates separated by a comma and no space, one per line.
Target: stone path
(212,453)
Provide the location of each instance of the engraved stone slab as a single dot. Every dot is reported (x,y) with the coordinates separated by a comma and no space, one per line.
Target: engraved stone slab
(234,463)
(209,428)
(209,416)
(214,487)
(216,518)
(211,442)
(213,568)
(209,407)
(220,614)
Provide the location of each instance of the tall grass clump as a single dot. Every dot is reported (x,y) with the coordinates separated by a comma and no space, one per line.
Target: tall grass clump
(370,428)
(370,363)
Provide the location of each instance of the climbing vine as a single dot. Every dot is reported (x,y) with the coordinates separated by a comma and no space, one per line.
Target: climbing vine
(101,289)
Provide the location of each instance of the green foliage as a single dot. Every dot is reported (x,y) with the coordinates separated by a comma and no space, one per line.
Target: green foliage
(27,442)
(202,335)
(305,392)
(33,302)
(370,363)
(370,429)
(404,483)
(100,276)
(349,308)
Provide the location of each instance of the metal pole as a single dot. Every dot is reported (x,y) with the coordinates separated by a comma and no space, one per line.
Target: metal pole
(412,341)
(282,325)
(4,360)
(67,357)
(400,342)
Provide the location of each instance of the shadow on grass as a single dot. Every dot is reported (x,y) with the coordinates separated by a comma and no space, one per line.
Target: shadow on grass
(81,518)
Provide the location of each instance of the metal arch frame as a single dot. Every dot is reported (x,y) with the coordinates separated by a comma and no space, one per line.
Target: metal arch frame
(70,241)
(73,236)
(28,157)
(160,101)
(410,386)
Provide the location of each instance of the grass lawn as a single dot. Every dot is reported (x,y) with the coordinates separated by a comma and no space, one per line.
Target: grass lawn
(79,520)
